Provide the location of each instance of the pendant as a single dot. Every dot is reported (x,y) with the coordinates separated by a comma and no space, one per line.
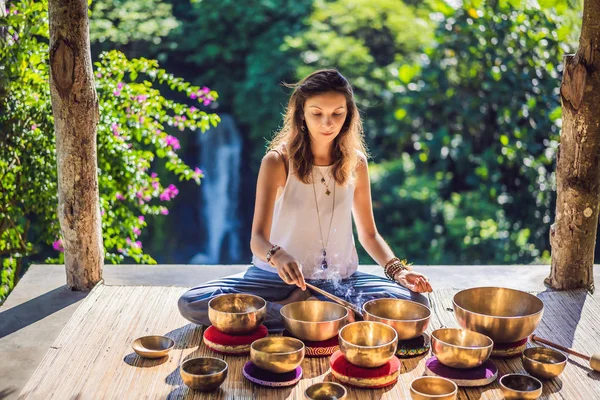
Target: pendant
(324,260)
(322,180)
(327,192)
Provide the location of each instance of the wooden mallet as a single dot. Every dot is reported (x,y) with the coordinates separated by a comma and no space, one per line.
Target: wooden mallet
(594,359)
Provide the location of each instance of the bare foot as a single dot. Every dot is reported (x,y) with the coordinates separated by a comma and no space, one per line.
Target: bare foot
(297,295)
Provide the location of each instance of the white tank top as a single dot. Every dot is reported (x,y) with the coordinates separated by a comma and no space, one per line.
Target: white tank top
(295,226)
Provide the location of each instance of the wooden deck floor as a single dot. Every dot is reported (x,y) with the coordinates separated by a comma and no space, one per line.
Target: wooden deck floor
(92,357)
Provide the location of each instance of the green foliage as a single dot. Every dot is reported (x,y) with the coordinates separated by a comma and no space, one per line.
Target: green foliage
(121,22)
(133,135)
(484,116)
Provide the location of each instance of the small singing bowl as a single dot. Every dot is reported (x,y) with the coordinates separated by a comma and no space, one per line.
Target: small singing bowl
(237,314)
(277,354)
(459,348)
(409,318)
(520,386)
(314,320)
(152,346)
(326,391)
(433,387)
(204,374)
(544,363)
(368,343)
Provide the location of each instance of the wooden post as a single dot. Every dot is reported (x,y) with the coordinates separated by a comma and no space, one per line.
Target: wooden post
(573,234)
(76,114)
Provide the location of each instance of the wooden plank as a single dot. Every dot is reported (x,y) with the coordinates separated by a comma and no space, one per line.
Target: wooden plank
(92,357)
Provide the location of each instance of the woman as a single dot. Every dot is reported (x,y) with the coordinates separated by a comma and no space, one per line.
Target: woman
(311,182)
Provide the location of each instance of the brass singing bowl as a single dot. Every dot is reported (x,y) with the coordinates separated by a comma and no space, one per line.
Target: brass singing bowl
(237,314)
(203,373)
(152,346)
(505,315)
(520,386)
(326,391)
(544,363)
(409,318)
(314,320)
(368,343)
(433,387)
(459,348)
(277,354)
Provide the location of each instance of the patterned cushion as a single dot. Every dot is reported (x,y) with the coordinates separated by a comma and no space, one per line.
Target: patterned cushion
(263,377)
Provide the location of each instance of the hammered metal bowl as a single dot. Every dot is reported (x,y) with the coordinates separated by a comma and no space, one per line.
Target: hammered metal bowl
(505,315)
(544,363)
(236,314)
(314,320)
(433,387)
(326,391)
(459,348)
(368,343)
(152,346)
(520,386)
(277,354)
(409,318)
(204,374)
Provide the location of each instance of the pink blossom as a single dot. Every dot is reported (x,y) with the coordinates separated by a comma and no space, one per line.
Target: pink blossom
(172,141)
(120,85)
(193,96)
(169,193)
(117,93)
(193,109)
(33,127)
(102,212)
(206,102)
(119,196)
(205,89)
(58,246)
(155,185)
(141,218)
(164,211)
(138,244)
(153,175)
(99,75)
(140,195)
(137,231)
(128,240)
(198,171)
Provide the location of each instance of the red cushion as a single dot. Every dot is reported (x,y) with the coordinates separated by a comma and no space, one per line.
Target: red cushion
(213,335)
(342,366)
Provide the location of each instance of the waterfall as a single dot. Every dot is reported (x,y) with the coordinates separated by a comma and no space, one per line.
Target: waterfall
(219,158)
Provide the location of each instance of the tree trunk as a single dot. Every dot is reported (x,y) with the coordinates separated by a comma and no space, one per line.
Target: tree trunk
(573,234)
(76,115)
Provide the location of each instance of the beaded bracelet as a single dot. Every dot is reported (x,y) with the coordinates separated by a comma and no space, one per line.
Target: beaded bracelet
(394,268)
(271,252)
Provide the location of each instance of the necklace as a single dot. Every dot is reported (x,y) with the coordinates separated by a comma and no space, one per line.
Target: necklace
(327,191)
(324,264)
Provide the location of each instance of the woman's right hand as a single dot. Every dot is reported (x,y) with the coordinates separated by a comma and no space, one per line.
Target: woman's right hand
(288,269)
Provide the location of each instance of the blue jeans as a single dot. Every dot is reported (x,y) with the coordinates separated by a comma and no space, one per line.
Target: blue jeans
(356,289)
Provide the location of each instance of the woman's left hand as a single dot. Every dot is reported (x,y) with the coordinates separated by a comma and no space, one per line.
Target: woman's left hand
(413,281)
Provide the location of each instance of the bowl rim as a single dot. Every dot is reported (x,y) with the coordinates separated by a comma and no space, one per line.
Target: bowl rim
(344,390)
(226,365)
(139,339)
(498,316)
(545,350)
(521,391)
(490,346)
(263,307)
(314,322)
(395,339)
(282,338)
(433,395)
(400,300)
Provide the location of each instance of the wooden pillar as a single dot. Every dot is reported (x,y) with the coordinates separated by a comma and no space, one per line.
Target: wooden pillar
(76,115)
(573,234)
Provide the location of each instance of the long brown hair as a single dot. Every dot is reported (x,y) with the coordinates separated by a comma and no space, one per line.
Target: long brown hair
(346,146)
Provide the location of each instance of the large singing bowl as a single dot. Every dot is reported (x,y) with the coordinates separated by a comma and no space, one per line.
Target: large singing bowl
(505,315)
(314,320)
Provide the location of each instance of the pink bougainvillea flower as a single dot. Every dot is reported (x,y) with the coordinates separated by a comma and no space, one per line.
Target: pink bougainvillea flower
(58,246)
(119,196)
(164,211)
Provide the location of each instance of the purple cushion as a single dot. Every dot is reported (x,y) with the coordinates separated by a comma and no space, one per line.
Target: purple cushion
(486,371)
(267,378)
